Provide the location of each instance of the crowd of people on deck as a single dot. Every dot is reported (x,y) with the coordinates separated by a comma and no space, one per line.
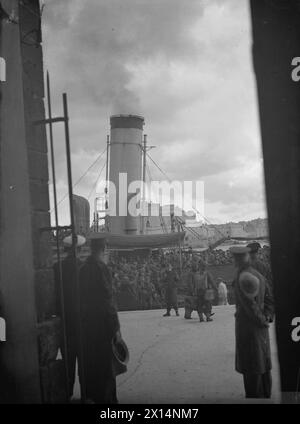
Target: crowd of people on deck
(139,278)
(224,257)
(143,278)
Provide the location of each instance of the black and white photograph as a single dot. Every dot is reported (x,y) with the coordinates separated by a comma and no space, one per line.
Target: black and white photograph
(149,204)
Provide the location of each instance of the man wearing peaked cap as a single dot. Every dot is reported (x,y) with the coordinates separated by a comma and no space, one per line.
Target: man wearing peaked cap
(69,290)
(100,324)
(253,356)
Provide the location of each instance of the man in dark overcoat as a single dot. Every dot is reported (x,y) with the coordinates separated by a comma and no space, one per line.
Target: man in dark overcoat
(70,305)
(100,324)
(170,279)
(253,356)
(191,300)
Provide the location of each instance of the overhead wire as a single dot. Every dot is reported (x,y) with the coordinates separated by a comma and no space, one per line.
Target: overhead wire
(195,209)
(96,182)
(82,176)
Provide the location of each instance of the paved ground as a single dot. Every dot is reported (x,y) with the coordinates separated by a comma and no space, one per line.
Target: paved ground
(183,361)
(177,360)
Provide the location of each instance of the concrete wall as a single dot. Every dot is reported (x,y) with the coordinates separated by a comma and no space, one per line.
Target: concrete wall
(17,273)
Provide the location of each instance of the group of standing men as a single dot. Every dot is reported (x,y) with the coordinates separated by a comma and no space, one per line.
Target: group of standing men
(200,292)
(91,323)
(254,312)
(99,323)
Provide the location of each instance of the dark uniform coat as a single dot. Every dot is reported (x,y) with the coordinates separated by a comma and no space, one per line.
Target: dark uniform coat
(171,280)
(70,310)
(265,271)
(100,323)
(252,334)
(69,293)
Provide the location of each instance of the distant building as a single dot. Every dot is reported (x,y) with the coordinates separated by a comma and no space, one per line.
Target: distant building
(205,235)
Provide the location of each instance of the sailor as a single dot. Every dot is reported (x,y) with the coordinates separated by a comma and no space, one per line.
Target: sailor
(70,304)
(253,356)
(100,325)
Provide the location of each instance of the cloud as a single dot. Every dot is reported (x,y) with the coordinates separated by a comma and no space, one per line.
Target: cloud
(183,64)
(101,39)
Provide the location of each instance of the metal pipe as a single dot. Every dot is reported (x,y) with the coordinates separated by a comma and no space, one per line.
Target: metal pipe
(106,188)
(180,259)
(107,158)
(74,244)
(60,276)
(95,214)
(144,179)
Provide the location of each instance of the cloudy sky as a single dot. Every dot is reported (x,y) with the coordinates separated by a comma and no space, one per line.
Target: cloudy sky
(185,65)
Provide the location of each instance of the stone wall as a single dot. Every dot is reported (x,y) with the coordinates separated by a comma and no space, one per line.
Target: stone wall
(27,284)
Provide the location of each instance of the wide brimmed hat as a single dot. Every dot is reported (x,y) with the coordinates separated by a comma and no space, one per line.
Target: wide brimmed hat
(67,241)
(250,283)
(120,355)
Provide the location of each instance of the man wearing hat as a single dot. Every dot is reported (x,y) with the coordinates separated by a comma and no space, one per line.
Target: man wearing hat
(70,302)
(100,326)
(253,356)
(264,270)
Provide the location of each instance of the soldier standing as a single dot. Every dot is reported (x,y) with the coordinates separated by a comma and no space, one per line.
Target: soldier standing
(190,301)
(70,302)
(170,279)
(253,356)
(100,325)
(205,289)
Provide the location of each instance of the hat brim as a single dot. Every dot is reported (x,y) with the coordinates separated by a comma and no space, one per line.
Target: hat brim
(239,250)
(67,241)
